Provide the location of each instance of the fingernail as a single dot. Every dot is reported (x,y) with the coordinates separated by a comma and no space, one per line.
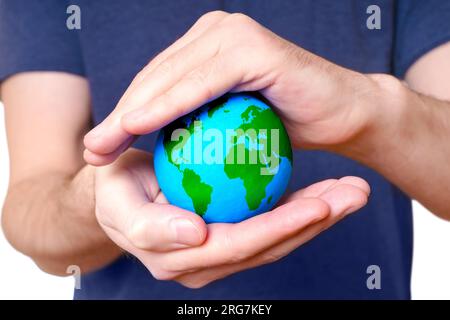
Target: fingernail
(185,232)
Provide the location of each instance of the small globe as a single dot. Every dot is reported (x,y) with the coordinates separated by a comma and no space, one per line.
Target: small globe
(227,161)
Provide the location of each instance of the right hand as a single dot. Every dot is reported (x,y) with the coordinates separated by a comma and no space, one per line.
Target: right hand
(176,244)
(321,104)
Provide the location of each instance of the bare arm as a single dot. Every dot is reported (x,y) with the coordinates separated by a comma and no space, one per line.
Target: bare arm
(410,138)
(49,209)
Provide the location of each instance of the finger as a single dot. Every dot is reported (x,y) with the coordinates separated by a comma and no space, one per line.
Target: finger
(200,26)
(311,191)
(338,212)
(231,66)
(201,278)
(169,71)
(204,276)
(158,227)
(356,182)
(163,227)
(231,243)
(101,160)
(316,189)
(146,225)
(209,81)
(106,137)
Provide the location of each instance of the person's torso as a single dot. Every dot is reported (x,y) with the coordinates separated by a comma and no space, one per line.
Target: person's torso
(119,37)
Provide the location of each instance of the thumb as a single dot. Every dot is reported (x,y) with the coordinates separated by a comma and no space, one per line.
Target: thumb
(163,227)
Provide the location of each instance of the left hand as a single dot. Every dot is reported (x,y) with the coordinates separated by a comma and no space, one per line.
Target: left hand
(135,214)
(320,103)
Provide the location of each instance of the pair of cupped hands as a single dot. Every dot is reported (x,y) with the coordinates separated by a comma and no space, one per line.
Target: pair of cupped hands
(222,53)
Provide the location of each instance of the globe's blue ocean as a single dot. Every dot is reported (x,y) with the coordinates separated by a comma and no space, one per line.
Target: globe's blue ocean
(227,200)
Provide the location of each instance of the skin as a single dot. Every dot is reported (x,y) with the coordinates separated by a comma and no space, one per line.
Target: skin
(55,213)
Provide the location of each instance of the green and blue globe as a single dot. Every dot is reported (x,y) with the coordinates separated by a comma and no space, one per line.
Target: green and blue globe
(227,161)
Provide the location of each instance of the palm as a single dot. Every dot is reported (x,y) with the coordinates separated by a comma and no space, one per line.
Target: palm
(138,217)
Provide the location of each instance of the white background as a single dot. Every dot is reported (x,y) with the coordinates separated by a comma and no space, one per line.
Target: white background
(21,279)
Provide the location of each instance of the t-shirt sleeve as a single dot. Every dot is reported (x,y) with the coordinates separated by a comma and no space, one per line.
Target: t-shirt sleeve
(34,37)
(420,27)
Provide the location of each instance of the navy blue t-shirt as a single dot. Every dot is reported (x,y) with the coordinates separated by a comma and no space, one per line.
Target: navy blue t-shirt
(117,38)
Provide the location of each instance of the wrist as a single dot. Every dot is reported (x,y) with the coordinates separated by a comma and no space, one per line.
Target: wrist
(78,204)
(78,197)
(384,115)
(93,247)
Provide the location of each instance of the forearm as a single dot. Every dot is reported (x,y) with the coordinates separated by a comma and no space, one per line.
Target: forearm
(51,219)
(407,141)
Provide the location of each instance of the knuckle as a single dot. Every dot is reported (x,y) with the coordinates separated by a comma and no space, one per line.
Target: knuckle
(161,274)
(389,83)
(212,16)
(248,35)
(240,19)
(237,27)
(137,234)
(193,283)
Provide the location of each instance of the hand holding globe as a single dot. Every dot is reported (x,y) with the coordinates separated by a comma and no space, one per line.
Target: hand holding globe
(176,244)
(195,173)
(224,53)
